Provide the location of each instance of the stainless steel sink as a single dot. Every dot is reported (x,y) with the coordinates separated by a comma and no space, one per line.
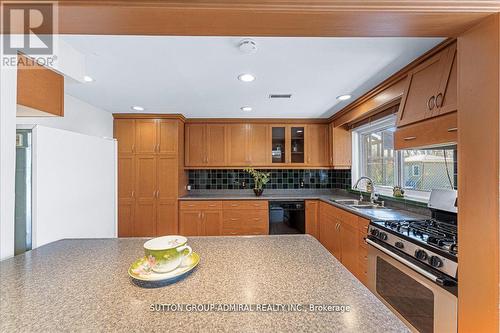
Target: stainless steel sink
(358,204)
(348,202)
(368,206)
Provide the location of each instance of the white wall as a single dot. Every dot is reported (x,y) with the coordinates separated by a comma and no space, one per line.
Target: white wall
(8,82)
(79,117)
(74,186)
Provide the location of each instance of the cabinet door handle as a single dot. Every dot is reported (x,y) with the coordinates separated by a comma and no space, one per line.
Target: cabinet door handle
(409,138)
(199,215)
(133,147)
(453,129)
(439,100)
(133,194)
(431,103)
(157,194)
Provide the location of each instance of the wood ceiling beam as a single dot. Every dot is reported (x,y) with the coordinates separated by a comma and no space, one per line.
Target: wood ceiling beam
(273,18)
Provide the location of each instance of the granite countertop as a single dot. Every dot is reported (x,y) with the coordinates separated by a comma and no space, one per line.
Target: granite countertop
(327,196)
(82,285)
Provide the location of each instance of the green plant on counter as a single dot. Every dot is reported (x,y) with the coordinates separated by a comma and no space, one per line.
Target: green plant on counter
(260,178)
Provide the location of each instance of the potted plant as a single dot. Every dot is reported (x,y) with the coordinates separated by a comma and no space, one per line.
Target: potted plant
(260,178)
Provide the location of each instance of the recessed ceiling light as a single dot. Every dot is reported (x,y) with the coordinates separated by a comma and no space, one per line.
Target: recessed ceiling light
(137,108)
(246,77)
(248,46)
(246,108)
(87,78)
(344,97)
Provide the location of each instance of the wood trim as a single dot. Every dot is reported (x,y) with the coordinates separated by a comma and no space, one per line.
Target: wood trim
(478,164)
(272,17)
(270,121)
(149,116)
(393,86)
(39,88)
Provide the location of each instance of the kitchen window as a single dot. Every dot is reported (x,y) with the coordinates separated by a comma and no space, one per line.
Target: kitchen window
(417,171)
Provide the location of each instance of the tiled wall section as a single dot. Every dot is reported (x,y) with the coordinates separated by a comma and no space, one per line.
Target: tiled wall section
(280,179)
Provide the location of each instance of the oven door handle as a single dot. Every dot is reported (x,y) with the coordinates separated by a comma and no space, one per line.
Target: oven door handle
(405,262)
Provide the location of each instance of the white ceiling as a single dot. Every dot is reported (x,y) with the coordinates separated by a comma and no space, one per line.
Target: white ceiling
(197,76)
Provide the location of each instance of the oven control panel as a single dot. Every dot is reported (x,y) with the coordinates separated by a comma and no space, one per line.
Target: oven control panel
(424,255)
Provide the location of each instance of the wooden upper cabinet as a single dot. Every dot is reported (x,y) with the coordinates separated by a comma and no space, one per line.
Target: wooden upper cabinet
(426,88)
(215,140)
(124,133)
(340,147)
(447,96)
(205,145)
(168,134)
(39,89)
(317,142)
(258,144)
(195,150)
(167,184)
(146,136)
(237,144)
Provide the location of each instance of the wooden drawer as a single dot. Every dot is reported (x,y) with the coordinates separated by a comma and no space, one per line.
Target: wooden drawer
(245,204)
(200,205)
(245,223)
(434,131)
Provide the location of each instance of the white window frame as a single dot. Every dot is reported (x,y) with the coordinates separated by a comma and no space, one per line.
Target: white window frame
(358,161)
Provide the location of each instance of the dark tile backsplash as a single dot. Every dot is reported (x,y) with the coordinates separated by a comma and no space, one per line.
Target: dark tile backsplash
(280,179)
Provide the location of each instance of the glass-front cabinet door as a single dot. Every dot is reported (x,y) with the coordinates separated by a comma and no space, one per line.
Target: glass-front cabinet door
(297,144)
(278,135)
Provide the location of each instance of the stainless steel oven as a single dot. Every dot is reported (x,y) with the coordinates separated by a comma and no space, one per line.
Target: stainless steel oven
(413,292)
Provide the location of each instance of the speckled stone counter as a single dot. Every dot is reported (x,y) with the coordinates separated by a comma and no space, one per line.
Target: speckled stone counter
(328,196)
(82,285)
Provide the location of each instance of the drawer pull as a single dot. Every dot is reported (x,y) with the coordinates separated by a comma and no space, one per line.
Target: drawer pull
(232,219)
(431,103)
(409,138)
(439,100)
(256,219)
(453,129)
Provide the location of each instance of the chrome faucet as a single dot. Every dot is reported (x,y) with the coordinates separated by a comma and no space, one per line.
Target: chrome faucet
(373,196)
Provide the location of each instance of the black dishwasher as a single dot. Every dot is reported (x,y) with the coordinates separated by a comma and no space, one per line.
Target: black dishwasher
(286,217)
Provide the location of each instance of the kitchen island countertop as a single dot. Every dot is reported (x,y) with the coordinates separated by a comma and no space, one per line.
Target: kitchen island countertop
(82,285)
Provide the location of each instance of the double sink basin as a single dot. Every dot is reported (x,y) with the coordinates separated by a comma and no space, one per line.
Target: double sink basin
(357,204)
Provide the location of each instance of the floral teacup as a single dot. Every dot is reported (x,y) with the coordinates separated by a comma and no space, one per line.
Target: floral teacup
(166,253)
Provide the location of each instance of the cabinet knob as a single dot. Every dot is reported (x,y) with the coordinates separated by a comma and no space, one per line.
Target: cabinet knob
(439,100)
(431,103)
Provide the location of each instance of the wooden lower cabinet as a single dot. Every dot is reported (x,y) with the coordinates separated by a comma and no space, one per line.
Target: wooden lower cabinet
(245,222)
(343,234)
(200,223)
(215,218)
(312,218)
(212,222)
